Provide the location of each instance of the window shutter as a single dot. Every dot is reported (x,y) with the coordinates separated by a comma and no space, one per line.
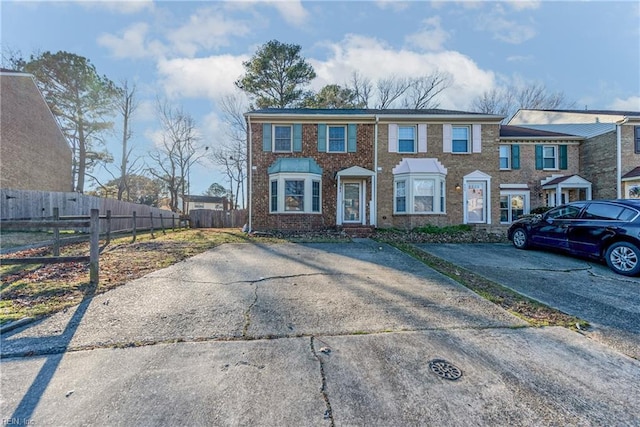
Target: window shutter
(539,157)
(297,137)
(476,131)
(515,157)
(447,138)
(422,138)
(322,138)
(393,138)
(562,150)
(266,137)
(352,131)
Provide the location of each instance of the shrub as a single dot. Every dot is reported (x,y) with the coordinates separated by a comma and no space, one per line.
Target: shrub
(449,229)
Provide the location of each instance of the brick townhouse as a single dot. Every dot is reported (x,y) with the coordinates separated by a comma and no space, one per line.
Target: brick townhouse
(35,153)
(315,169)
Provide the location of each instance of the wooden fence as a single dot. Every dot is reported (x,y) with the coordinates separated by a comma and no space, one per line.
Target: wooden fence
(207,218)
(32,205)
(91,223)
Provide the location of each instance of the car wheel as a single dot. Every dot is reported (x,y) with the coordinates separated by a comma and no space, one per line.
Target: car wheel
(624,258)
(520,239)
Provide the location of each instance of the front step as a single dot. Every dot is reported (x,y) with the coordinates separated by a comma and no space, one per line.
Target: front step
(358,231)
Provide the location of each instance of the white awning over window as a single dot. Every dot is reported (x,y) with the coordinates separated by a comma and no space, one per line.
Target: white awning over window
(419,166)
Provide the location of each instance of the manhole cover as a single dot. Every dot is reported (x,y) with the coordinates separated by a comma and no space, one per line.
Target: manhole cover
(444,369)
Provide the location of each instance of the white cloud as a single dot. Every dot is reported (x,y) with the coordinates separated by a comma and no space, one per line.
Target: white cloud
(208,28)
(374,59)
(119,6)
(509,31)
(292,11)
(520,58)
(524,4)
(129,44)
(432,37)
(395,5)
(209,77)
(632,103)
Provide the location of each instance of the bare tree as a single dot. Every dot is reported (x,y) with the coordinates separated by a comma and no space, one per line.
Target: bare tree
(362,88)
(423,90)
(506,101)
(414,93)
(176,154)
(126,106)
(231,153)
(390,89)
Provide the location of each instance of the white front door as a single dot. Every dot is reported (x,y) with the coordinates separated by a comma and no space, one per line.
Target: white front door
(476,201)
(352,202)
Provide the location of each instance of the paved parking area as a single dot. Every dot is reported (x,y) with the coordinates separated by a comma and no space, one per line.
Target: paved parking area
(306,334)
(583,288)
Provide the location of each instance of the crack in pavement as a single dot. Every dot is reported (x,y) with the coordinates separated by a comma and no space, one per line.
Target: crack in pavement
(178,340)
(247,313)
(328,413)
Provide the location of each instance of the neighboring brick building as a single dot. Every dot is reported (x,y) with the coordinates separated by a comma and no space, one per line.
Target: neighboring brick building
(610,148)
(35,154)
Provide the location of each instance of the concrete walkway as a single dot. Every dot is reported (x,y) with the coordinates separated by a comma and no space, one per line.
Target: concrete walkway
(315,334)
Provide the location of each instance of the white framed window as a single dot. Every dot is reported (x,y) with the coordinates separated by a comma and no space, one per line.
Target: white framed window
(550,157)
(282,138)
(419,193)
(513,204)
(295,193)
(505,157)
(337,139)
(406,139)
(460,139)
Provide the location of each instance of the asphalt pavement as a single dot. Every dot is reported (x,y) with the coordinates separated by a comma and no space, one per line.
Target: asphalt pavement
(584,288)
(306,334)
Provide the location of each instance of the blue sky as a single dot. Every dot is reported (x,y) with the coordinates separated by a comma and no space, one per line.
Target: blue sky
(190,52)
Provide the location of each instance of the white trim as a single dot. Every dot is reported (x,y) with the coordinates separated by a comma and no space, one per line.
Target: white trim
(527,201)
(477,176)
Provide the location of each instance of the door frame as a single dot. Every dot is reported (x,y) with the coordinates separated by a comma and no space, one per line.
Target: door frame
(475,177)
(362,186)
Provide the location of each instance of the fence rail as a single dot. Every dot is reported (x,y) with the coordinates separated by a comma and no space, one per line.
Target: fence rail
(81,223)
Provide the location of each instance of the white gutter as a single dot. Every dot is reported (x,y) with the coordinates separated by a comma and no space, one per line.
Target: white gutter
(374,182)
(619,156)
(250,171)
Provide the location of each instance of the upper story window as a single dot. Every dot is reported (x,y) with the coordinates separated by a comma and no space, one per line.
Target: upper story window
(549,157)
(406,139)
(459,139)
(460,142)
(282,140)
(505,157)
(337,139)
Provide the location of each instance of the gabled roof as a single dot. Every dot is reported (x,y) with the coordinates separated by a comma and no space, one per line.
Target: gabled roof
(633,173)
(526,116)
(584,130)
(566,179)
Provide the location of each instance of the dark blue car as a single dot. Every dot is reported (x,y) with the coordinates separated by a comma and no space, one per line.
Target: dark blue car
(606,230)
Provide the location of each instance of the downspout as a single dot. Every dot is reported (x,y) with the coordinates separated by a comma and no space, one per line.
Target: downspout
(250,171)
(374,190)
(619,157)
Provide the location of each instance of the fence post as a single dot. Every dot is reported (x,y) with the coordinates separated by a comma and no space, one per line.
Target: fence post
(56,233)
(151,218)
(134,227)
(173,221)
(162,225)
(94,251)
(108,227)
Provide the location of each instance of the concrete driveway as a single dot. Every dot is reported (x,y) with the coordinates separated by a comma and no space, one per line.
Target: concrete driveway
(586,289)
(315,334)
